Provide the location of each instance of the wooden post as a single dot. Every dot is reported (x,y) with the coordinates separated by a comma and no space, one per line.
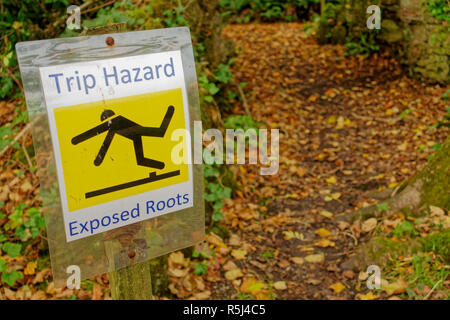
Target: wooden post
(134,282)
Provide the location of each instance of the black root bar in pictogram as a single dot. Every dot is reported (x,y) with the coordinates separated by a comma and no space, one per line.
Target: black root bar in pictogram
(152,178)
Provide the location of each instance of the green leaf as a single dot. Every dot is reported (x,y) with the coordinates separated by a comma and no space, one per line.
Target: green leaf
(200,268)
(210,172)
(21,232)
(16,218)
(12,249)
(210,197)
(225,193)
(224,74)
(209,99)
(217,215)
(436,147)
(218,205)
(382,206)
(3,266)
(10,278)
(212,88)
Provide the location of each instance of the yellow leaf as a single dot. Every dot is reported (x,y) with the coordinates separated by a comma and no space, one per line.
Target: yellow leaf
(17,25)
(368,296)
(393,184)
(239,254)
(233,274)
(251,285)
(324,243)
(336,195)
(337,287)
(403,146)
(288,235)
(30,268)
(215,240)
(326,214)
(331,120)
(331,180)
(315,258)
(322,232)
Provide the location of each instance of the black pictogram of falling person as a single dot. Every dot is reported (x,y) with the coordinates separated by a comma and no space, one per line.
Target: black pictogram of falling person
(128,129)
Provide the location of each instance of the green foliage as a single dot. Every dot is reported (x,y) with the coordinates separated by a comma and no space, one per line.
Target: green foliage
(200,268)
(209,89)
(365,45)
(268,254)
(7,135)
(382,206)
(10,278)
(440,9)
(175,17)
(439,244)
(404,229)
(243,122)
(12,249)
(267,10)
(21,21)
(215,196)
(428,271)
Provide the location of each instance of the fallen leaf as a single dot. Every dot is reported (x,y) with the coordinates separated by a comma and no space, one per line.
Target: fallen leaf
(233,274)
(349,274)
(288,235)
(436,211)
(363,276)
(369,225)
(230,265)
(403,146)
(297,260)
(215,240)
(251,285)
(331,180)
(368,296)
(326,214)
(396,287)
(202,295)
(315,258)
(284,264)
(30,268)
(280,285)
(177,258)
(239,254)
(322,232)
(337,287)
(324,243)
(234,240)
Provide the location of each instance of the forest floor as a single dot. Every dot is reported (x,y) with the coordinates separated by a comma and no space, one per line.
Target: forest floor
(348,126)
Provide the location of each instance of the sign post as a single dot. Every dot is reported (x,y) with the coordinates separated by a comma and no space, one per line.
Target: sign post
(114,151)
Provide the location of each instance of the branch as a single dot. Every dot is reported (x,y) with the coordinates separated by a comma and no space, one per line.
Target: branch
(20,135)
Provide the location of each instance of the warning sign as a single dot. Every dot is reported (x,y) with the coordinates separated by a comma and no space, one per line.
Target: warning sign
(113,124)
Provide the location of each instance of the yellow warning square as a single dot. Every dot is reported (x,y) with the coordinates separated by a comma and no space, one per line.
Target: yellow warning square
(113,149)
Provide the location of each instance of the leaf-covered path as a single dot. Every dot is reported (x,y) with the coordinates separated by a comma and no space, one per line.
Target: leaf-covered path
(348,125)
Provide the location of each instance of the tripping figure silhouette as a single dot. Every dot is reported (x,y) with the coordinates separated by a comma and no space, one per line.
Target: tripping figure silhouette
(130,130)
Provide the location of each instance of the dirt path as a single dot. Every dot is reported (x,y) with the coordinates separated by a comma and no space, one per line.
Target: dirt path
(347,125)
